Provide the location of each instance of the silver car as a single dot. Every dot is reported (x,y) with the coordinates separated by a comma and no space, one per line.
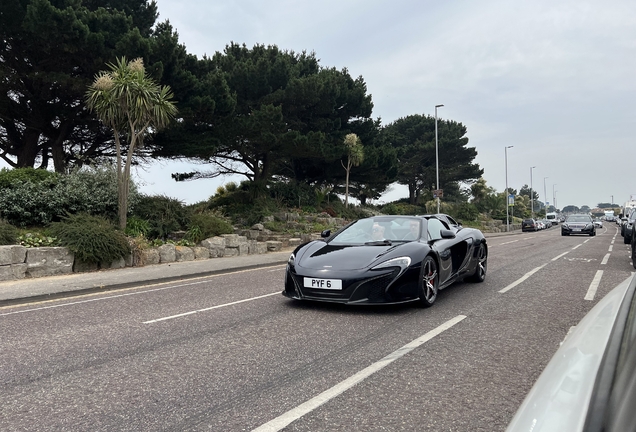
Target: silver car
(590,383)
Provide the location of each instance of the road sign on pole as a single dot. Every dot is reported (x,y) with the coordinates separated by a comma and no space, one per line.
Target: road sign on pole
(511,200)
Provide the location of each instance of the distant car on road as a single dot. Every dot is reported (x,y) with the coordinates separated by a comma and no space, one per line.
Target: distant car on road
(589,384)
(578,224)
(529,225)
(598,223)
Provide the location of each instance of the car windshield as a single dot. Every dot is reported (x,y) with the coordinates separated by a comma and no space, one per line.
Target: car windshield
(380,230)
(579,218)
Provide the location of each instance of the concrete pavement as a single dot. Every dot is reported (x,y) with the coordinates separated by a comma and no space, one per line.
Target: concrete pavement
(43,288)
(37,289)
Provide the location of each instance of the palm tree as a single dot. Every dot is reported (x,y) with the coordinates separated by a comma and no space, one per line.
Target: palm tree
(355,156)
(132,104)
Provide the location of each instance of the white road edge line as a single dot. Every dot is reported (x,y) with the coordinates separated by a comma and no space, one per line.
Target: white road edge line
(294,414)
(577,246)
(524,277)
(591,291)
(210,308)
(610,248)
(559,256)
(141,289)
(605,259)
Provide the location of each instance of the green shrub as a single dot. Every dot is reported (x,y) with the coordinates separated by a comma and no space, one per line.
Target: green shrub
(242,208)
(94,191)
(8,177)
(92,239)
(8,233)
(466,212)
(36,240)
(292,194)
(206,224)
(136,227)
(164,214)
(25,202)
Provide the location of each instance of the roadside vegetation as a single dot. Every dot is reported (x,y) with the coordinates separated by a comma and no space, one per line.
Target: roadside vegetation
(79,210)
(301,134)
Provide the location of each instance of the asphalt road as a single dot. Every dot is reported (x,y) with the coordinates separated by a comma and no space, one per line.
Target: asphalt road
(230,353)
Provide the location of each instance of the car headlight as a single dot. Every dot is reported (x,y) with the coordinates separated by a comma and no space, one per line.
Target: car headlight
(565,225)
(402,262)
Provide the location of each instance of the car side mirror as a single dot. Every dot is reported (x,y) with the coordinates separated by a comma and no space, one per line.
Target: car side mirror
(325,233)
(447,234)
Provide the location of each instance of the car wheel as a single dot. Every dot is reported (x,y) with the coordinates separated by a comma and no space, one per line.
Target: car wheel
(429,282)
(626,240)
(593,233)
(482,265)
(563,234)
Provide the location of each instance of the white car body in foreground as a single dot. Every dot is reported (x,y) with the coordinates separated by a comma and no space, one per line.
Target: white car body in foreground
(590,382)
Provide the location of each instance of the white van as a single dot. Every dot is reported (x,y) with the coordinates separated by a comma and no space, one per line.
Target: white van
(552,217)
(627,208)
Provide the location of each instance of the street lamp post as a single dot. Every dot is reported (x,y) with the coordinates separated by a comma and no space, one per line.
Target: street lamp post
(506,194)
(437,156)
(545,195)
(531,197)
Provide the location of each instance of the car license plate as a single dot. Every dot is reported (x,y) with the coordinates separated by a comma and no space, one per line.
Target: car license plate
(330,284)
(576,229)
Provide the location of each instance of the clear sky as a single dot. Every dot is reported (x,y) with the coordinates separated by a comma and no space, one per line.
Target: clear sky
(554,79)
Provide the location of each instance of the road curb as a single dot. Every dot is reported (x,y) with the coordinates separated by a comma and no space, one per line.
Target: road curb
(131,284)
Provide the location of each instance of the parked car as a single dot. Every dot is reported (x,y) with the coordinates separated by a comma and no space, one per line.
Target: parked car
(578,224)
(629,227)
(589,385)
(386,259)
(633,245)
(623,222)
(529,225)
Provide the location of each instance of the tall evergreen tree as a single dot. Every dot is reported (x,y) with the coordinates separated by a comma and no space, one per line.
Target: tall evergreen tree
(413,137)
(290,118)
(51,50)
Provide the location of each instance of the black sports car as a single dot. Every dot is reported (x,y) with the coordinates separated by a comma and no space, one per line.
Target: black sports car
(386,259)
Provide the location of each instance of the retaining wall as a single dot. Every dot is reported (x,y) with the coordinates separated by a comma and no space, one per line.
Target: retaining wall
(19,262)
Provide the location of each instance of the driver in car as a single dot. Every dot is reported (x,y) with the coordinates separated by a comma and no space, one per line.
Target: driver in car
(377,232)
(414,230)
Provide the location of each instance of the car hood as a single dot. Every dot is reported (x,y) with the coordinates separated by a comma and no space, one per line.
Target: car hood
(321,255)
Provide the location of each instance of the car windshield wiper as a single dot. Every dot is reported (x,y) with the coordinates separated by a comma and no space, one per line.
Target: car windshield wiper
(379,243)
